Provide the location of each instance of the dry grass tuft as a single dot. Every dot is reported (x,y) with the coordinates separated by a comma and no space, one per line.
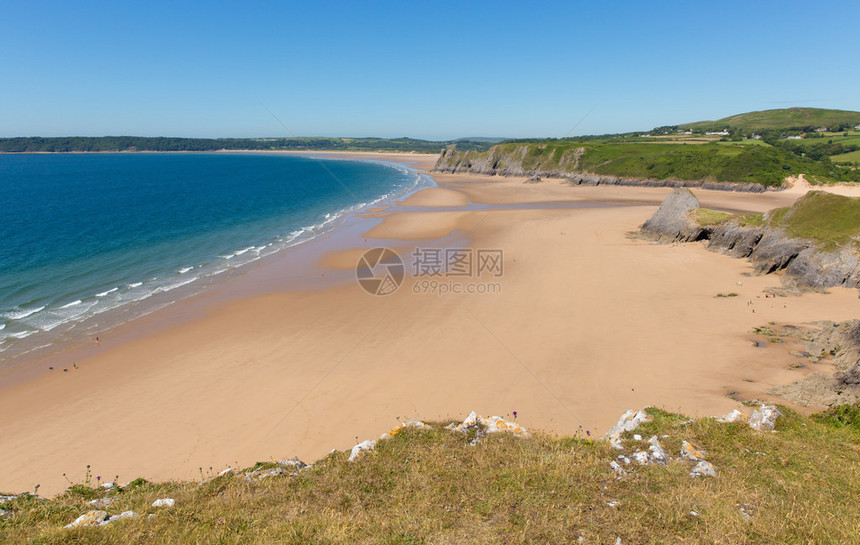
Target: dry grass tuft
(798,485)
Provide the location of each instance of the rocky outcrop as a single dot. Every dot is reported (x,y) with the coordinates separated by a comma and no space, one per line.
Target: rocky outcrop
(839,344)
(672,220)
(513,162)
(803,263)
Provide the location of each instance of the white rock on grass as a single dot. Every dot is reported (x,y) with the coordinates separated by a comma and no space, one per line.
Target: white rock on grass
(764,418)
(629,421)
(100,502)
(360,449)
(493,424)
(114,518)
(403,425)
(164,502)
(90,518)
(691,453)
(641,456)
(704,469)
(658,453)
(616,467)
(734,416)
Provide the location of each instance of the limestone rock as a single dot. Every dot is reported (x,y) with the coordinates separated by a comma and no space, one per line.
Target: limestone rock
(629,421)
(90,518)
(121,516)
(658,453)
(493,424)
(359,449)
(691,453)
(704,469)
(764,418)
(616,467)
(734,416)
(672,220)
(405,424)
(164,502)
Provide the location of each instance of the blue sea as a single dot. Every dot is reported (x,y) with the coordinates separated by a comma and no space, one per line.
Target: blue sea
(84,235)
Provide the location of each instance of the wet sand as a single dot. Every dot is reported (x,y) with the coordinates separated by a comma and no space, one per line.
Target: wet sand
(584,323)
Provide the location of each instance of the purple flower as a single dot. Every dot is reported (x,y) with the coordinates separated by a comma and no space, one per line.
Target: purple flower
(587,432)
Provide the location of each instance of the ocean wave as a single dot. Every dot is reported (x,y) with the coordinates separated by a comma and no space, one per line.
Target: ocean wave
(20,334)
(135,284)
(72,304)
(53,318)
(184,270)
(102,294)
(18,313)
(170,287)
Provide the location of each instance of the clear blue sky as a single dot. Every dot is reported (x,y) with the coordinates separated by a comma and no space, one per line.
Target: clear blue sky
(422,69)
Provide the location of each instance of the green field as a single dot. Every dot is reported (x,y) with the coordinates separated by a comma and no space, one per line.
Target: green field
(782,119)
(849,158)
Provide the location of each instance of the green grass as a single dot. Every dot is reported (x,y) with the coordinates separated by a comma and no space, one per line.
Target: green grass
(706,217)
(832,220)
(851,158)
(782,119)
(626,157)
(799,485)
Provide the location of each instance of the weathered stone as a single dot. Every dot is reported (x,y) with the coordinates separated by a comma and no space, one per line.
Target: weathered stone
(629,421)
(658,453)
(671,222)
(734,416)
(691,453)
(90,518)
(642,457)
(359,449)
(704,469)
(164,502)
(764,418)
(405,424)
(493,424)
(616,467)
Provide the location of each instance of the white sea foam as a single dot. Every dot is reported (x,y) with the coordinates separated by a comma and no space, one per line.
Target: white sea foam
(20,334)
(184,270)
(102,294)
(173,286)
(62,315)
(2,327)
(17,313)
(72,304)
(135,284)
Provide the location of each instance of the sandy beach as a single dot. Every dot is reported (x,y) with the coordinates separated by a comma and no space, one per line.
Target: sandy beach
(583,323)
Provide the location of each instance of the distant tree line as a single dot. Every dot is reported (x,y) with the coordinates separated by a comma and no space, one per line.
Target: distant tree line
(34,144)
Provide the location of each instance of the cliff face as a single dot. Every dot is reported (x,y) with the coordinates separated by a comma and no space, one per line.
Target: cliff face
(804,264)
(515,162)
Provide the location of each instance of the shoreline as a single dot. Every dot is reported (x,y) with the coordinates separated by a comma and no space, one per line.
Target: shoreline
(63,352)
(579,332)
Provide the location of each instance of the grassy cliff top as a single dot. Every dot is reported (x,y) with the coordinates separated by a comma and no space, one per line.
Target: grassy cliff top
(782,119)
(797,485)
(833,220)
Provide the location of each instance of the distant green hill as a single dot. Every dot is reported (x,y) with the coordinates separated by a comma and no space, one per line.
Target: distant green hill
(142,143)
(787,118)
